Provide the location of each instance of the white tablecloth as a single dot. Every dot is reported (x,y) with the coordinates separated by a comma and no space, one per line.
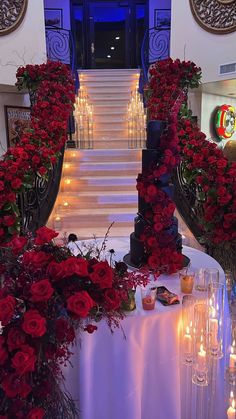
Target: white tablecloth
(134,373)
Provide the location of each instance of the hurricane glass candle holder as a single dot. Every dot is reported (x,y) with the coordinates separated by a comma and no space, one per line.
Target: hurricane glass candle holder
(187,328)
(231,350)
(200,352)
(216,311)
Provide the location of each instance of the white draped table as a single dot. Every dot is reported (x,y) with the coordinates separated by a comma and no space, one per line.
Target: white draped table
(134,373)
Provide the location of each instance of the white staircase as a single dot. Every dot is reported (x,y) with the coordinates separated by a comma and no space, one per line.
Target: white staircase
(97,188)
(109,93)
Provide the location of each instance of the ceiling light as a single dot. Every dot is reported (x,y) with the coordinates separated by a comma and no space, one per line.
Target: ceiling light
(108,56)
(112,47)
(117,37)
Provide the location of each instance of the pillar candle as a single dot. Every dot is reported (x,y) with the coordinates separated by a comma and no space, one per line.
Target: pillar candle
(201,359)
(214,325)
(231,412)
(187,342)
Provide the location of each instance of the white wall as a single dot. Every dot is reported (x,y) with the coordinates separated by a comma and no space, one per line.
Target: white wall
(207,50)
(209,104)
(60,4)
(12,99)
(25,45)
(157,4)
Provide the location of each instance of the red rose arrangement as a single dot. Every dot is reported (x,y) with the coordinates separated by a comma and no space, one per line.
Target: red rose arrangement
(39,146)
(167,89)
(45,296)
(204,163)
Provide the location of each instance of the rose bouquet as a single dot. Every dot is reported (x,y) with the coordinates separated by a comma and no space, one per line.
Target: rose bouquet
(47,294)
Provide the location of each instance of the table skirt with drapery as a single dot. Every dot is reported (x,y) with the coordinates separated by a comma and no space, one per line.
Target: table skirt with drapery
(135,373)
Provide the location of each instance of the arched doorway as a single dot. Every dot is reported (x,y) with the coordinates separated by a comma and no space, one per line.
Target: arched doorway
(109,33)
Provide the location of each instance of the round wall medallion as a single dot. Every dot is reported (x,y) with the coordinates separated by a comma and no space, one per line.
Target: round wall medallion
(11,15)
(216,16)
(225,122)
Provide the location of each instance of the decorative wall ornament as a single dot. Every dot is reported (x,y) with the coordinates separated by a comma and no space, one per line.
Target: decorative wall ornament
(216,16)
(12,13)
(225,122)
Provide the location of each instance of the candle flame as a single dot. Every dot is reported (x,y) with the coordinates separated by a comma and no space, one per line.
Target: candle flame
(213,312)
(191,324)
(187,330)
(233,344)
(231,394)
(233,404)
(201,348)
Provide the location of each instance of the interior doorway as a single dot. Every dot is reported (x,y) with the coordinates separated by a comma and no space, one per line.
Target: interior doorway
(109,34)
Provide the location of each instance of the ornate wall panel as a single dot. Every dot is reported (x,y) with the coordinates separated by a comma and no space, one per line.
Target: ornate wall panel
(216,16)
(11,14)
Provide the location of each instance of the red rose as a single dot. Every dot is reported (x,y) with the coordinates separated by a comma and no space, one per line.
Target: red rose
(75,266)
(17,244)
(16,183)
(90,328)
(3,355)
(80,303)
(42,171)
(14,385)
(24,360)
(45,235)
(56,270)
(15,338)
(34,324)
(7,308)
(102,274)
(9,220)
(112,299)
(153,262)
(41,290)
(36,259)
(36,413)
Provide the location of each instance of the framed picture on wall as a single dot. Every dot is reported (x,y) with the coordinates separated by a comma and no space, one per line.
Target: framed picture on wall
(53,17)
(17,121)
(162,18)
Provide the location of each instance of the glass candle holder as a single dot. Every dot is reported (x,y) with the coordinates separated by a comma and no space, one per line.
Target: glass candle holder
(200,353)
(187,329)
(200,280)
(216,311)
(231,350)
(211,275)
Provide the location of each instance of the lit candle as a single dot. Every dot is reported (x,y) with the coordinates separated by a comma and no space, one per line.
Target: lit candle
(232,357)
(201,359)
(214,325)
(231,412)
(187,341)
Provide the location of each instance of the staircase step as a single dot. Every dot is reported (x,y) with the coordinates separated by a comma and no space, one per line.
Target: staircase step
(102,155)
(101,184)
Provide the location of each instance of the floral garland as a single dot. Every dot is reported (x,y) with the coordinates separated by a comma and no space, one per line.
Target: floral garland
(46,295)
(39,147)
(167,85)
(204,163)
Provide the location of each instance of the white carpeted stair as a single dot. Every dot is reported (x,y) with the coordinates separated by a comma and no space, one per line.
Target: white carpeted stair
(109,92)
(97,188)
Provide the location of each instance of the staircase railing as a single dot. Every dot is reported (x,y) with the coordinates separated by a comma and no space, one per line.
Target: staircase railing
(155,47)
(36,204)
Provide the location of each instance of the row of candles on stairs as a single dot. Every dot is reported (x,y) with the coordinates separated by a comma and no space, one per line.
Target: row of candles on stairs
(206,336)
(83,113)
(136,115)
